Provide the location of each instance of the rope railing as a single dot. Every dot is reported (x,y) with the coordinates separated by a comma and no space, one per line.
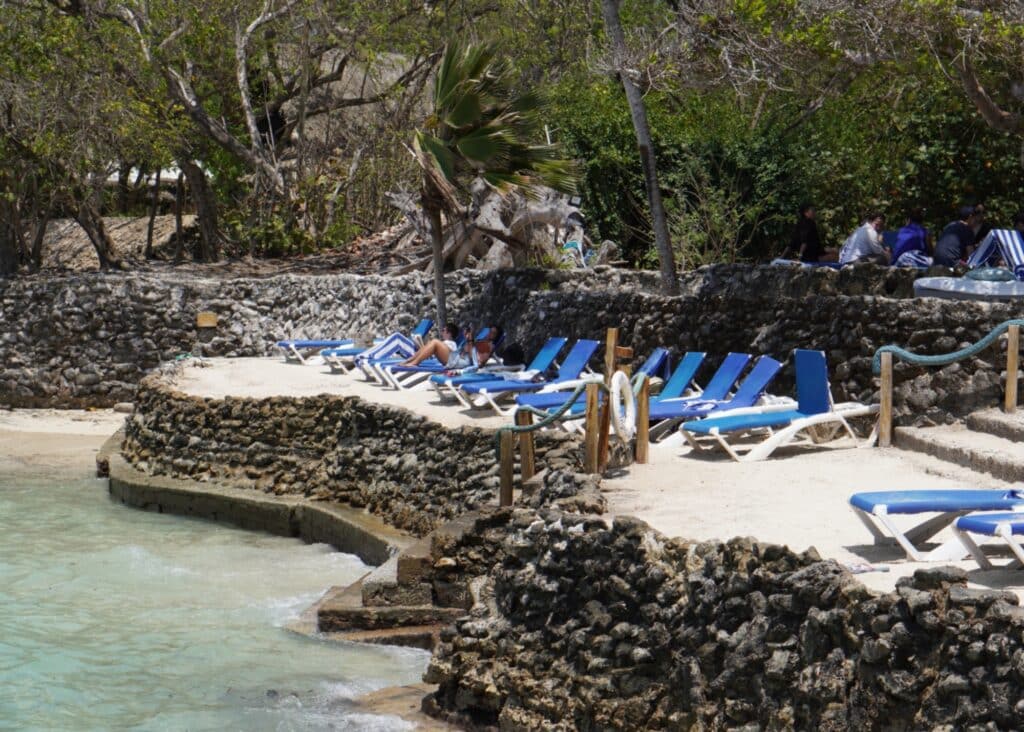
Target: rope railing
(943,359)
(882,365)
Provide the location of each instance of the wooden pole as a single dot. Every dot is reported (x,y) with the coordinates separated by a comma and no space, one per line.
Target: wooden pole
(885,403)
(526,453)
(1012,364)
(591,427)
(643,412)
(508,446)
(605,421)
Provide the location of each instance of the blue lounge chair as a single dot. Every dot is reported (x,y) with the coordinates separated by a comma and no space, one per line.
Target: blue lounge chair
(298,351)
(451,385)
(814,407)
(341,360)
(665,408)
(373,365)
(654,364)
(487,393)
(1008,243)
(407,378)
(875,508)
(1005,526)
(743,401)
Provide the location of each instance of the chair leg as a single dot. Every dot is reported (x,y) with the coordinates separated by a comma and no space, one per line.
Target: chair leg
(973,549)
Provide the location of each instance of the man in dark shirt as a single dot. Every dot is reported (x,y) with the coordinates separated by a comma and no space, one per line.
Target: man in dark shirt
(805,244)
(957,238)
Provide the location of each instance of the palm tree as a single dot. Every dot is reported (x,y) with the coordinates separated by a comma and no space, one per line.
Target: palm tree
(482,129)
(613,27)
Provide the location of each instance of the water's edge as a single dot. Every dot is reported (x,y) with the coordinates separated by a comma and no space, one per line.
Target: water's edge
(344,528)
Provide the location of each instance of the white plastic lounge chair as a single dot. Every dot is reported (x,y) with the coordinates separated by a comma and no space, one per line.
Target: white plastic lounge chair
(298,351)
(342,360)
(452,385)
(668,408)
(814,407)
(410,378)
(876,508)
(1005,526)
(555,399)
(489,393)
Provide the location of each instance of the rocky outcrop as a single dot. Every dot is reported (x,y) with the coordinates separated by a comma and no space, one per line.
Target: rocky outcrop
(396,464)
(585,625)
(89,339)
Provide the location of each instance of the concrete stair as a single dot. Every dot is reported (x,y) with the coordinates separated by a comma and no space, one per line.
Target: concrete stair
(988,441)
(396,603)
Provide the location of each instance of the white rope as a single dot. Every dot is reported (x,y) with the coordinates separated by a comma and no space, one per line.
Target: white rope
(624,421)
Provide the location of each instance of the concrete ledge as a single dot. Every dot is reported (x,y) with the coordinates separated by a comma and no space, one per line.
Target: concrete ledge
(344,528)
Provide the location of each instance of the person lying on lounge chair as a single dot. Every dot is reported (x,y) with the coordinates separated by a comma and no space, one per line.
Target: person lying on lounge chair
(447,352)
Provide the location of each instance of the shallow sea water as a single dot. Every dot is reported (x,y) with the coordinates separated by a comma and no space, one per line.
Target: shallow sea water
(115,618)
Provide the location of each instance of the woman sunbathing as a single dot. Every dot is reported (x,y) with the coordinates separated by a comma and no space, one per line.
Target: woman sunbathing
(445,350)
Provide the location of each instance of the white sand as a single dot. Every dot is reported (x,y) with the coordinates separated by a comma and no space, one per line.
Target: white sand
(44,438)
(798,497)
(266,377)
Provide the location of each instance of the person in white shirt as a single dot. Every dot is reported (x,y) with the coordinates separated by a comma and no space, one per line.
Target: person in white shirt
(865,244)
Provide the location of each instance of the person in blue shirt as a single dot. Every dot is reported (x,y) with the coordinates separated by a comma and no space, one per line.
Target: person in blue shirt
(958,238)
(911,246)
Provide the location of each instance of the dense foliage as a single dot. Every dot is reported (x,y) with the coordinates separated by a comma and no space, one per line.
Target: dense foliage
(290,119)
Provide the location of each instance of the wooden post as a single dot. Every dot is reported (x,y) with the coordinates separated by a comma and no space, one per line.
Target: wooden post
(643,412)
(591,425)
(611,357)
(885,402)
(526,454)
(508,446)
(611,343)
(1012,364)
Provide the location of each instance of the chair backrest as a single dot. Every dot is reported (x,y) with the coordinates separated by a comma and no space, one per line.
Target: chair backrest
(1012,246)
(654,363)
(812,391)
(722,380)
(682,376)
(755,382)
(577,359)
(983,252)
(547,354)
(423,327)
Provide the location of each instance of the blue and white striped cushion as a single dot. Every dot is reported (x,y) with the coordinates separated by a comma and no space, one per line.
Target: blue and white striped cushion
(913,258)
(984,253)
(1012,247)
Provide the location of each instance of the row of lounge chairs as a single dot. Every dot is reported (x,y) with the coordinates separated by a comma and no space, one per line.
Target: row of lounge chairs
(992,513)
(712,416)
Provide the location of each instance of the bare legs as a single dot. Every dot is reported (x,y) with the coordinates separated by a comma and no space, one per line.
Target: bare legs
(434,347)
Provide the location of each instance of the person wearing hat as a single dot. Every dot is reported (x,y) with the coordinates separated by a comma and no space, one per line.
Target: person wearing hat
(957,238)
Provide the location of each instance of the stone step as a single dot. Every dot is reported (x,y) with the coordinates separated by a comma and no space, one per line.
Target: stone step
(384,587)
(998,423)
(342,609)
(980,451)
(411,636)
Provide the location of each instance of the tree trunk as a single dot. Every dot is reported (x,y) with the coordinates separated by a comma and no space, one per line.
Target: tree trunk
(206,209)
(437,244)
(37,239)
(88,217)
(179,234)
(8,245)
(613,26)
(148,252)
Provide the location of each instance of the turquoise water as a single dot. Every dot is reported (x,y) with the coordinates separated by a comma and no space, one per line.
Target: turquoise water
(114,618)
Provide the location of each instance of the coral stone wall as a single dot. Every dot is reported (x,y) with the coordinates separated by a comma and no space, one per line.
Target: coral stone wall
(412,472)
(89,339)
(586,625)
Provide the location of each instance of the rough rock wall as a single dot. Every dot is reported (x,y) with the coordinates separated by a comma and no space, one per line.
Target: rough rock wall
(412,472)
(589,626)
(89,339)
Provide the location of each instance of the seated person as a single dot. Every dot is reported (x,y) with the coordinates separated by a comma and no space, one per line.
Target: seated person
(957,239)
(444,349)
(911,247)
(865,244)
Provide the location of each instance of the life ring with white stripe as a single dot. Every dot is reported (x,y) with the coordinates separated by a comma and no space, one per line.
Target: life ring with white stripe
(622,402)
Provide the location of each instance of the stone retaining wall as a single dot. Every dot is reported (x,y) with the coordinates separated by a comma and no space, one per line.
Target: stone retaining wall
(89,339)
(582,625)
(412,472)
